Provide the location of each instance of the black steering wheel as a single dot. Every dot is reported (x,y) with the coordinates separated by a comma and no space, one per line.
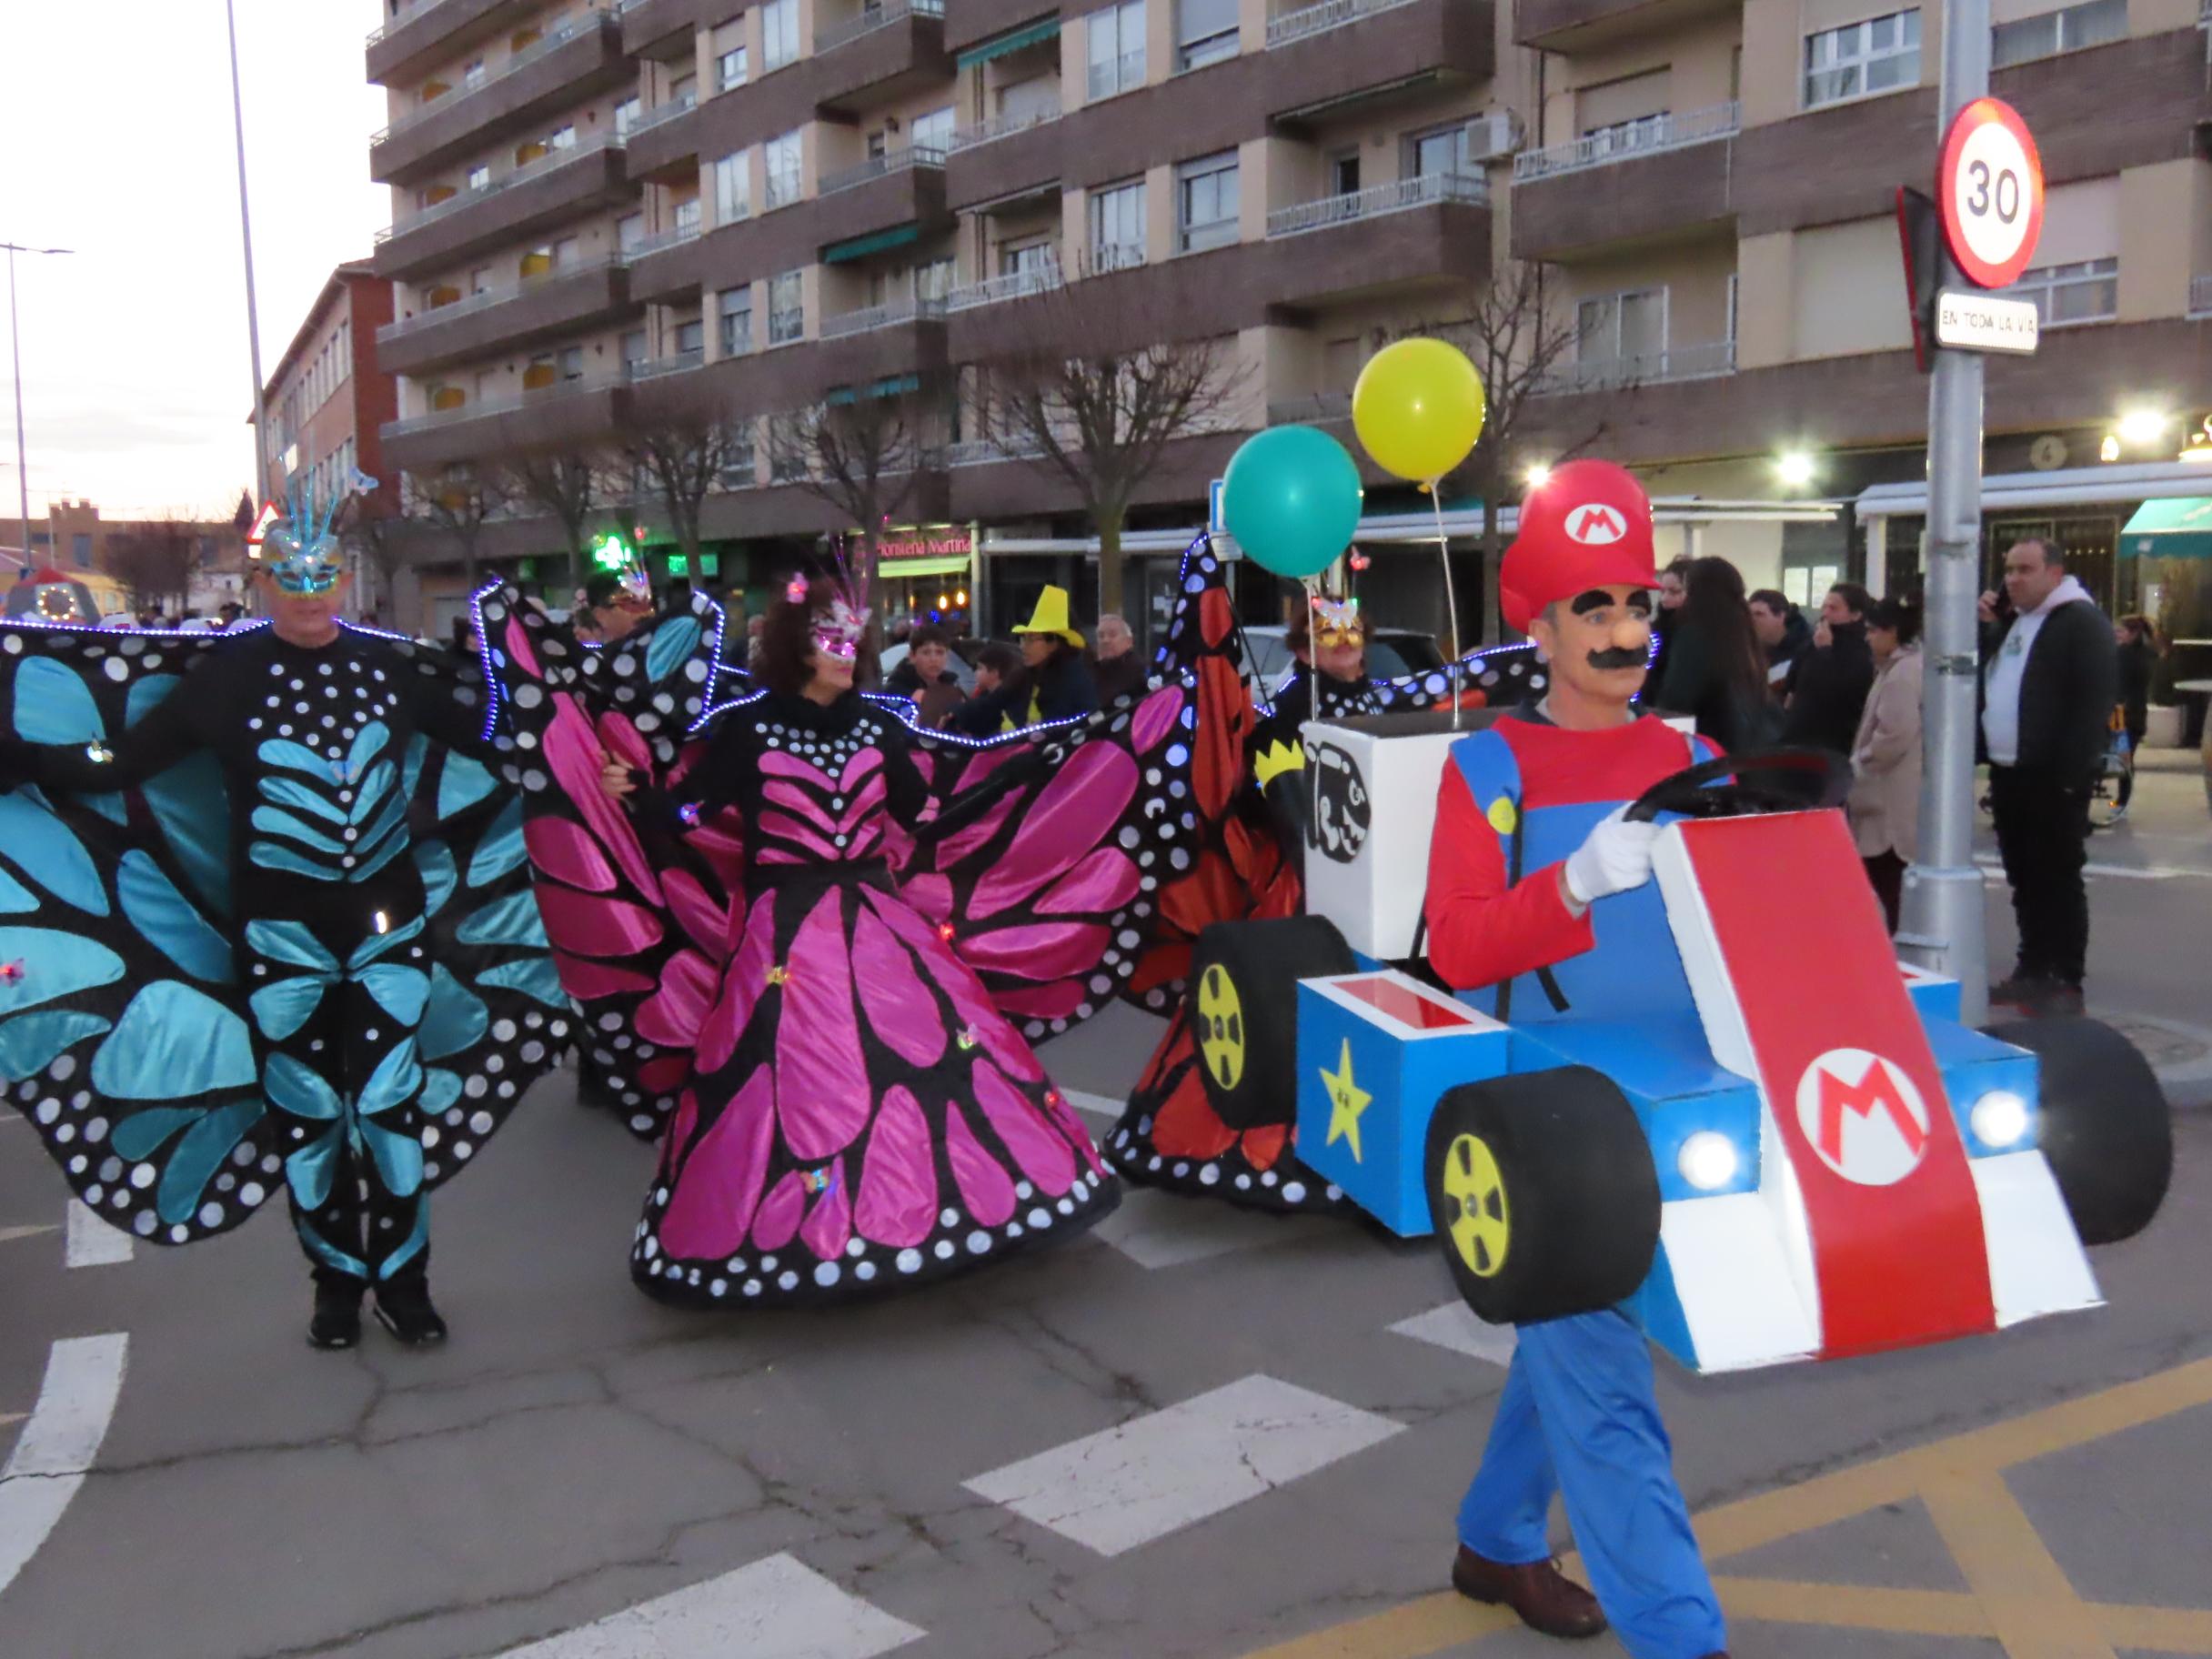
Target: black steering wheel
(1782,780)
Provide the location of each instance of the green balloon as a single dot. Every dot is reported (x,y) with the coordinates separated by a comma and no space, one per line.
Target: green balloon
(1292,498)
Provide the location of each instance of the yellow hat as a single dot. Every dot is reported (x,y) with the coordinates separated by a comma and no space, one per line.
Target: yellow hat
(1051,616)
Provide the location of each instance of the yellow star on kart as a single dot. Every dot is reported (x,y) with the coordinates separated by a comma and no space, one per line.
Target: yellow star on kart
(1347,1100)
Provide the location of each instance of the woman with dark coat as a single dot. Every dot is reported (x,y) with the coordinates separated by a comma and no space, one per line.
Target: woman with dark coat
(2139,660)
(1716,672)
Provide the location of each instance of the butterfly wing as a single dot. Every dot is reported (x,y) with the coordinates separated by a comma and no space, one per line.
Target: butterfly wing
(1495,677)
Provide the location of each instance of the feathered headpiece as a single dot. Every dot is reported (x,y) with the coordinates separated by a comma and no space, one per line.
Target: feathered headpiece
(838,631)
(298,550)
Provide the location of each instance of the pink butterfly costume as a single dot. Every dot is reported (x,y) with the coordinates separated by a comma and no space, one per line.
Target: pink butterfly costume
(860,1114)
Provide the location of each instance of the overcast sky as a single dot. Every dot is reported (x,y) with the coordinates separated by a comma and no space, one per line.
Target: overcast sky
(115,141)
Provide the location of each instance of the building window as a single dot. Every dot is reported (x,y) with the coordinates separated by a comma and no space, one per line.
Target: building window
(933,280)
(1860,59)
(1205,32)
(932,133)
(687,219)
(779,33)
(733,187)
(572,363)
(472,77)
(691,339)
(787,458)
(1624,137)
(80,550)
(630,230)
(786,308)
(626,116)
(2070,30)
(1206,201)
(1025,259)
(785,161)
(737,310)
(731,69)
(479,176)
(738,471)
(565,252)
(1117,48)
(633,350)
(1117,225)
(2065,294)
(561,138)
(1622,328)
(1442,151)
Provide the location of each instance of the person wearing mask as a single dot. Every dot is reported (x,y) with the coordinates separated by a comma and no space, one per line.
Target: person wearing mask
(1120,670)
(1060,687)
(615,605)
(2139,660)
(1001,689)
(1673,591)
(2049,681)
(1714,673)
(1828,688)
(923,676)
(1784,636)
(1885,759)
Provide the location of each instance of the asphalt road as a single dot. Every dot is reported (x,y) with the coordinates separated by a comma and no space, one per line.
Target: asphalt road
(1190,1433)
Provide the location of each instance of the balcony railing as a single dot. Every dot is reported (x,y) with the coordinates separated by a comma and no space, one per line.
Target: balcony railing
(1123,74)
(552,161)
(1000,127)
(675,363)
(984,451)
(559,35)
(2200,287)
(1646,368)
(1014,285)
(661,115)
(1316,409)
(891,315)
(1422,191)
(506,403)
(1646,138)
(872,18)
(1312,20)
(489,297)
(881,167)
(676,235)
(409,11)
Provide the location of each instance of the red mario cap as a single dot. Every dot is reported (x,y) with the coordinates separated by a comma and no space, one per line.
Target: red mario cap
(1588,525)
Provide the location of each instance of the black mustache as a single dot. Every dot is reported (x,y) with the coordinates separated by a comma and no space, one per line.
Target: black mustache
(1618,657)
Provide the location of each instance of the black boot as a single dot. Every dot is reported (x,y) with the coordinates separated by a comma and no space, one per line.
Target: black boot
(403,1308)
(337,1314)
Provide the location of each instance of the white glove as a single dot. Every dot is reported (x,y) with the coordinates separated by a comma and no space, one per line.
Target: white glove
(1615,856)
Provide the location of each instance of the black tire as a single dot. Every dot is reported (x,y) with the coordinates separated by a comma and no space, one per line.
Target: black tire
(1542,1193)
(2105,1129)
(1244,993)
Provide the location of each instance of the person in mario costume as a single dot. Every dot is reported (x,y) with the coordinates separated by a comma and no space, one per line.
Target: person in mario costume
(1540,899)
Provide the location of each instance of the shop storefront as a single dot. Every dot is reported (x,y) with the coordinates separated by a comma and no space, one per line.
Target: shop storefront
(927,574)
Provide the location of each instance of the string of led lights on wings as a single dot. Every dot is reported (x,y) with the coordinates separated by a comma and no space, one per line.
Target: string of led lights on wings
(124,1016)
(1048,885)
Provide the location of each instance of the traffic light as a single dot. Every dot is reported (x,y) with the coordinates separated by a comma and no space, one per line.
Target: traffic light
(1920,233)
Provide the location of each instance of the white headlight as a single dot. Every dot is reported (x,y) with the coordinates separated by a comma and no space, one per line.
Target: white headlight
(1707,1160)
(1999,1118)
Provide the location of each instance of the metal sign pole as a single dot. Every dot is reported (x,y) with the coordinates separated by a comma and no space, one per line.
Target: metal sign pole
(1943,911)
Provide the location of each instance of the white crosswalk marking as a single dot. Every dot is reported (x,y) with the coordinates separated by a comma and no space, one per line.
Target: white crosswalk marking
(1156,1229)
(75,1402)
(778,1608)
(1156,1474)
(1455,1326)
(92,1243)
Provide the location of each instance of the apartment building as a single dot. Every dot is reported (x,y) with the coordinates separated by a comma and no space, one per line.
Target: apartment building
(607,214)
(328,399)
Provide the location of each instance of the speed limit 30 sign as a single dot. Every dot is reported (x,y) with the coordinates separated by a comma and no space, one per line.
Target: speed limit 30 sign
(1990,189)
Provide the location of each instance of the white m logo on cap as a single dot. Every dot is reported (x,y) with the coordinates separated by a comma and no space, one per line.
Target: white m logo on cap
(1595,525)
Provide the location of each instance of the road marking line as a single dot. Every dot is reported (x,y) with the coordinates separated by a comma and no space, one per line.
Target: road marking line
(92,1242)
(778,1608)
(1098,1105)
(2031,1603)
(8,1235)
(1455,1326)
(1156,1229)
(76,1403)
(1155,1474)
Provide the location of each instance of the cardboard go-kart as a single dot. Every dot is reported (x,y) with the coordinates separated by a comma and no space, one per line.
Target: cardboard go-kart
(1758,1134)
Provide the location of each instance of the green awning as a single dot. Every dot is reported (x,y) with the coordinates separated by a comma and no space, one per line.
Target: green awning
(932,565)
(1029,36)
(875,242)
(894,386)
(2178,526)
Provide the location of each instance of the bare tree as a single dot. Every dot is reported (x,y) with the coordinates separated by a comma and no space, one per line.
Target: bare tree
(155,561)
(458,504)
(678,458)
(568,488)
(858,454)
(380,535)
(1093,388)
(1519,342)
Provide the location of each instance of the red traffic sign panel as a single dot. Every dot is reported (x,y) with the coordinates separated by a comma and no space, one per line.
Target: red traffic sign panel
(1990,189)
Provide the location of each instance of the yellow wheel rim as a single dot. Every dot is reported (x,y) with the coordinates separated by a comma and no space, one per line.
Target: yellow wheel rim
(1482,1227)
(1221,1026)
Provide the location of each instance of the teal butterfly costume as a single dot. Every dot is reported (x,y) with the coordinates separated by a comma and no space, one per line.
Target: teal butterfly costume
(264,922)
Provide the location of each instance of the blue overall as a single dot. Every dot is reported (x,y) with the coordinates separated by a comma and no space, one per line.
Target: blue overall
(1578,1416)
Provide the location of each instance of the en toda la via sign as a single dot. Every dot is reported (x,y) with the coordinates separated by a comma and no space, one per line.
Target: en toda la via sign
(1969,320)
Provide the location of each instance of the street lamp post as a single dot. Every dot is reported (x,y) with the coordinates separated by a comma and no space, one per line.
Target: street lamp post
(1943,920)
(246,228)
(14,334)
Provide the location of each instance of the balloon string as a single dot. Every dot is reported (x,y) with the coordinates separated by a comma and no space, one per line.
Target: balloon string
(1443,551)
(1313,587)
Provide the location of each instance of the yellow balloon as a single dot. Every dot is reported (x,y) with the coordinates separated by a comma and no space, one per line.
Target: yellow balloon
(1418,408)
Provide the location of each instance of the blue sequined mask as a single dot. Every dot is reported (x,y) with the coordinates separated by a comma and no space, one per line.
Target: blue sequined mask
(301,562)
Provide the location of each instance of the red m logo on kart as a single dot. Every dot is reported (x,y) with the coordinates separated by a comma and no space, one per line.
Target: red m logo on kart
(1864,1116)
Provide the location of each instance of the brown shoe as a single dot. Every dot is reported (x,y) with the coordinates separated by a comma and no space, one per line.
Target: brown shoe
(1548,1601)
